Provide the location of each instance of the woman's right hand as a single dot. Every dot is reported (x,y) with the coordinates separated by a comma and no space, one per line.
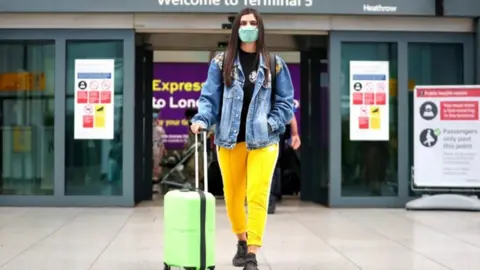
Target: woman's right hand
(196,128)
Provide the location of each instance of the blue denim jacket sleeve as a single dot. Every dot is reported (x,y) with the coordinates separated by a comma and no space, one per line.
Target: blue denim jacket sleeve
(282,111)
(210,95)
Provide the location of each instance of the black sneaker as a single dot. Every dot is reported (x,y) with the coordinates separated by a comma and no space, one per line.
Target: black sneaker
(239,258)
(251,262)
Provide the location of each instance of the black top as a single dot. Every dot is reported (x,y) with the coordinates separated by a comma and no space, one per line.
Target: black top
(249,66)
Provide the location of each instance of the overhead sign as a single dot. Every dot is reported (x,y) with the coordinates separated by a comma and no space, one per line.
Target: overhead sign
(94,95)
(369,106)
(328,7)
(447,136)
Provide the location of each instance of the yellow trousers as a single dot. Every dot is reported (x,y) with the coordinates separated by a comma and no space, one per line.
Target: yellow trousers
(247,173)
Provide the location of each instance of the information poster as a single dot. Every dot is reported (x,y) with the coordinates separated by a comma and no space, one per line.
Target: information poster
(447,136)
(94,95)
(369,95)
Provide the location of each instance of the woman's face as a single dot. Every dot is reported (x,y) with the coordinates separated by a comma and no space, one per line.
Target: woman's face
(248,31)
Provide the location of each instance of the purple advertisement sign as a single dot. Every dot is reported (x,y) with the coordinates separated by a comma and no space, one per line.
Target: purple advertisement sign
(177,86)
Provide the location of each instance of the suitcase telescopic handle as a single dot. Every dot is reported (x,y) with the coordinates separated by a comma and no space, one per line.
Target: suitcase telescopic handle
(204,133)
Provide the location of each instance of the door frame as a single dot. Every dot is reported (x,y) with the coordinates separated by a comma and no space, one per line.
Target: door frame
(61,37)
(402,39)
(143,119)
(311,150)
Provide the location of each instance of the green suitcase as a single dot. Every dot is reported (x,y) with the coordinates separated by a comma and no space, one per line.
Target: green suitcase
(189,224)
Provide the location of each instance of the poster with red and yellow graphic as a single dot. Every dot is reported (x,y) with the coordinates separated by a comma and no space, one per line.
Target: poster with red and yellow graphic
(94,95)
(369,96)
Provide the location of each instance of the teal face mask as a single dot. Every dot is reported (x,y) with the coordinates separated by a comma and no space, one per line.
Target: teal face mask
(248,33)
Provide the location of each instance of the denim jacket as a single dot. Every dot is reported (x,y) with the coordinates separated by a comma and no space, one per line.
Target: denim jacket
(264,122)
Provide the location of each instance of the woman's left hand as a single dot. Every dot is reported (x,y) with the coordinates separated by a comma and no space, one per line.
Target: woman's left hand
(296,142)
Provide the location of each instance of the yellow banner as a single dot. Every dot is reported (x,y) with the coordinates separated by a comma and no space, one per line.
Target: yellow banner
(393,86)
(22,81)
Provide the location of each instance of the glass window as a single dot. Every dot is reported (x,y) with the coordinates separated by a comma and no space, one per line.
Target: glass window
(431,64)
(27,87)
(369,168)
(94,167)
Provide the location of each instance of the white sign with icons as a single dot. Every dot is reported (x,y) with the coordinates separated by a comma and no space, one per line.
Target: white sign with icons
(447,136)
(369,96)
(94,99)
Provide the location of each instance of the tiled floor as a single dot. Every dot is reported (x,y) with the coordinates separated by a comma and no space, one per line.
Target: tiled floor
(299,237)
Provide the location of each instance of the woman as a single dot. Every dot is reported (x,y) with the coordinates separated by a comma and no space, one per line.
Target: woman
(158,147)
(237,98)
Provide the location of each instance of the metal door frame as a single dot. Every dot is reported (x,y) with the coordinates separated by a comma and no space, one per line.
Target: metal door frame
(311,151)
(402,39)
(143,120)
(61,37)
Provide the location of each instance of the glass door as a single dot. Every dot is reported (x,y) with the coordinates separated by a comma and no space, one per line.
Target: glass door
(426,66)
(365,172)
(315,126)
(377,173)
(369,168)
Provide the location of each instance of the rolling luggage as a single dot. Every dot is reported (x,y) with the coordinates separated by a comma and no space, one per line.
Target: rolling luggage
(189,223)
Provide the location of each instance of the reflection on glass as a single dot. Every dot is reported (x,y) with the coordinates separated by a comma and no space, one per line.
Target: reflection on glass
(431,64)
(94,167)
(27,87)
(369,168)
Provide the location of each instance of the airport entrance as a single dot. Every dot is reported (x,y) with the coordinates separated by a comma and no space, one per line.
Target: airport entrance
(47,162)
(170,69)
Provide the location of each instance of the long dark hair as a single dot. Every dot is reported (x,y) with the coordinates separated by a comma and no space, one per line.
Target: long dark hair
(234,44)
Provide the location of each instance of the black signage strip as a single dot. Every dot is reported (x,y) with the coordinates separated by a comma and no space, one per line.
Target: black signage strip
(320,7)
